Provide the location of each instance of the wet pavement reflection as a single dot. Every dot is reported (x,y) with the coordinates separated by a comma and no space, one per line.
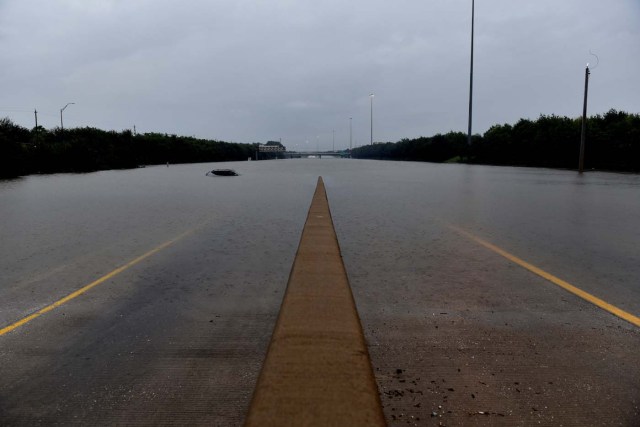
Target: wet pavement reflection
(453,329)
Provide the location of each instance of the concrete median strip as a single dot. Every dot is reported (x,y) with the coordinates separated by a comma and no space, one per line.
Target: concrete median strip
(317,370)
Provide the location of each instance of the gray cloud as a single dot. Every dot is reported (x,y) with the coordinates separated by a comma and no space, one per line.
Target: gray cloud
(256,70)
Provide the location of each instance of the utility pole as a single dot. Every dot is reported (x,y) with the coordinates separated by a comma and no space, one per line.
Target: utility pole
(334,140)
(583,133)
(471,76)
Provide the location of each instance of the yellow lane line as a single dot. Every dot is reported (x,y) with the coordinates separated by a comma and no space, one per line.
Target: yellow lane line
(553,279)
(93,284)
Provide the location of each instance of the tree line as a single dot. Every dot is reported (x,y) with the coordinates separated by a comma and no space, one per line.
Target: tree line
(612,143)
(38,150)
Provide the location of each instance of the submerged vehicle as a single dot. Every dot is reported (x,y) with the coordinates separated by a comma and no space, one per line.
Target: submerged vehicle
(222,172)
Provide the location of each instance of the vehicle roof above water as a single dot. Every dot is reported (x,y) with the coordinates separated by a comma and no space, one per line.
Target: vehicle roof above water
(222,172)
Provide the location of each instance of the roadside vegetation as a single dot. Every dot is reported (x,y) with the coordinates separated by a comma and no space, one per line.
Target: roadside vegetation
(612,143)
(24,151)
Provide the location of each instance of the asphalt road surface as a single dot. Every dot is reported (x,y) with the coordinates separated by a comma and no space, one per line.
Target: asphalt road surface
(179,278)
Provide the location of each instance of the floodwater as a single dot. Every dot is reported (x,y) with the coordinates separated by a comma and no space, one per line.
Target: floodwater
(585,229)
(179,337)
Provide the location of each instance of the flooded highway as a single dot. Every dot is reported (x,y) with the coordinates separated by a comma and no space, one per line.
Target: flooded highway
(187,273)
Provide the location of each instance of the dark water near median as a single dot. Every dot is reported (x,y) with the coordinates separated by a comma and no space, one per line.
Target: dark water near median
(583,229)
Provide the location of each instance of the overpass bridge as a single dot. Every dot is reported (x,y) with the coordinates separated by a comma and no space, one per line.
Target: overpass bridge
(317,154)
(300,154)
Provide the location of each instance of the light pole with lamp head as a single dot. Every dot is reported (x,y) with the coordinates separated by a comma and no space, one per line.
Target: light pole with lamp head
(371,97)
(61,110)
(583,131)
(471,77)
(350,135)
(334,140)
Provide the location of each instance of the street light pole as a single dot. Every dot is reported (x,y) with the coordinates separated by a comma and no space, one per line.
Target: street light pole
(350,135)
(471,76)
(61,110)
(35,112)
(334,140)
(583,133)
(371,97)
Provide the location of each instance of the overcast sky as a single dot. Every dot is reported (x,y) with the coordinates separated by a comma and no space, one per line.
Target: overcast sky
(258,70)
